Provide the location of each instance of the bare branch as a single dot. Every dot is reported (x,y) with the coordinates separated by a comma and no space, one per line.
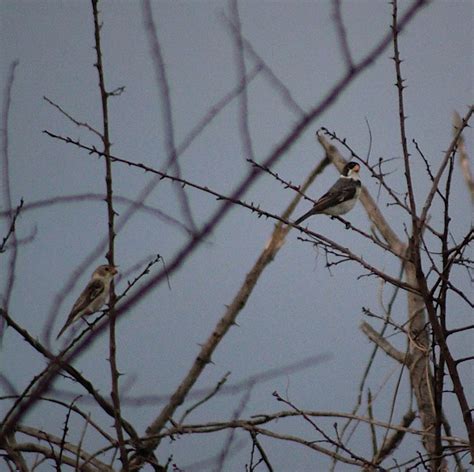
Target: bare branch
(464,156)
(267,71)
(80,124)
(263,454)
(383,344)
(401,112)
(6,190)
(166,109)
(241,72)
(11,229)
(451,150)
(342,33)
(205,399)
(396,437)
(111,237)
(57,362)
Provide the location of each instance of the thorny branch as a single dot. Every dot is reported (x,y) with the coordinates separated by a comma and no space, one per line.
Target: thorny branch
(319,238)
(105,136)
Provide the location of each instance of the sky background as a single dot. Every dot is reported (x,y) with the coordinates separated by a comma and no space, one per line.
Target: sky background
(298,309)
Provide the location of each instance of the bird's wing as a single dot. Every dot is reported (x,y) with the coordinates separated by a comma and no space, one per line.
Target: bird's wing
(340,192)
(93,290)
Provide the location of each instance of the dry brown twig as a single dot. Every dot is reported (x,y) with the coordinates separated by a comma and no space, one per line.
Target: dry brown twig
(464,161)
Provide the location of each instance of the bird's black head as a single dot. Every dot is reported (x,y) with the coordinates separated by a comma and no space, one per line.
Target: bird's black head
(350,169)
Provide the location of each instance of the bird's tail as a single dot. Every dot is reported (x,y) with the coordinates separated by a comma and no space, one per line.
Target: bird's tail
(66,326)
(303,217)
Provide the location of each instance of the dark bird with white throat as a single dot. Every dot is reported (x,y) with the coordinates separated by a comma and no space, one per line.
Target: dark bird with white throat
(341,197)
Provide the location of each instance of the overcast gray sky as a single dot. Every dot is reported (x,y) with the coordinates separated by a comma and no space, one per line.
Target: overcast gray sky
(298,308)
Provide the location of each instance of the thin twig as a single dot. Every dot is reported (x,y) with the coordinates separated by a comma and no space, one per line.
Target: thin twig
(274,82)
(239,60)
(61,364)
(71,118)
(206,398)
(166,108)
(231,433)
(342,33)
(11,229)
(98,197)
(447,155)
(262,452)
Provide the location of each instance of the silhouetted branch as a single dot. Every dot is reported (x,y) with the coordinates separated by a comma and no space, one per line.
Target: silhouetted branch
(11,229)
(267,71)
(105,136)
(59,363)
(239,60)
(98,197)
(205,399)
(447,155)
(166,108)
(342,33)
(262,452)
(82,124)
(6,191)
(402,117)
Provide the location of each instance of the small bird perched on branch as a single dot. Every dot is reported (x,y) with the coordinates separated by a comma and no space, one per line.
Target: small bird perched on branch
(341,197)
(93,296)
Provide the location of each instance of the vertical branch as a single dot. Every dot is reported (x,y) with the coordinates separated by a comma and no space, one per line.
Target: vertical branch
(440,366)
(419,343)
(243,99)
(463,156)
(7,198)
(110,253)
(451,364)
(458,130)
(166,109)
(402,117)
(341,31)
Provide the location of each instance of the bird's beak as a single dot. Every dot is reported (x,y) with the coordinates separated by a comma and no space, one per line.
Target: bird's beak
(357,168)
(114,270)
